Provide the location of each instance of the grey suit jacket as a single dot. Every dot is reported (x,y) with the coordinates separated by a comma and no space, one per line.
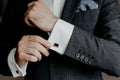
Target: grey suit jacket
(94,46)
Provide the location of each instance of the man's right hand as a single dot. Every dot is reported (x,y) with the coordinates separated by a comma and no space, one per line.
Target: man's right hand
(31,48)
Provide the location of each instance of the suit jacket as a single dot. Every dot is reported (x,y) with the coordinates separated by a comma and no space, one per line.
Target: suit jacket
(94,46)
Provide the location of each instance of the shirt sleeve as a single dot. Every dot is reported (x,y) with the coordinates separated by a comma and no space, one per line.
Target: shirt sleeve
(15,69)
(60,36)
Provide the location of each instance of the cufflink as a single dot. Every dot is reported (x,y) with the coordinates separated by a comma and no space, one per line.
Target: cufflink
(86,59)
(56,45)
(17,71)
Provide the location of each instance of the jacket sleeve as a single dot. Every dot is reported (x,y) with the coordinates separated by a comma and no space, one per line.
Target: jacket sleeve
(101,49)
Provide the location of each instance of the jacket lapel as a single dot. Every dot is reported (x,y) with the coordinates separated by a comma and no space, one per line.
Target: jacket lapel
(68,9)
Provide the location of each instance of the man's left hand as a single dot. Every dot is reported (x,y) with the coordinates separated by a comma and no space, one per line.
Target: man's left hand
(38,15)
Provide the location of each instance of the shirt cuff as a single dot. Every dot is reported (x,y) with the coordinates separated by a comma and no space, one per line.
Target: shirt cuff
(60,36)
(15,69)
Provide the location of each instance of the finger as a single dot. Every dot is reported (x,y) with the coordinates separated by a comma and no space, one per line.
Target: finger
(33,52)
(28,10)
(26,57)
(31,4)
(38,47)
(40,40)
(43,50)
(31,58)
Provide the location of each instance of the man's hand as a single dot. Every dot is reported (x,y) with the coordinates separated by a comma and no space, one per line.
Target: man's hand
(38,15)
(31,48)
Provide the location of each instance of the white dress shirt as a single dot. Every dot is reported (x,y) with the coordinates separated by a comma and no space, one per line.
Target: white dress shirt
(61,29)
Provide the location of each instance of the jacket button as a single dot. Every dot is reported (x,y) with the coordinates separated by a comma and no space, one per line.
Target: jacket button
(77,55)
(82,57)
(89,62)
(86,59)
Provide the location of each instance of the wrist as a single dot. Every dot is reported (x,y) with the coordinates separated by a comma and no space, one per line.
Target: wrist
(18,61)
(54,20)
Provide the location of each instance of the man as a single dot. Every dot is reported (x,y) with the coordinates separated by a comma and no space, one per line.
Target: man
(78,46)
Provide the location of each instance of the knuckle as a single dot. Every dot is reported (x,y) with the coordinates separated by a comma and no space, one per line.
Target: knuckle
(20,43)
(35,3)
(35,38)
(24,37)
(31,3)
(28,4)
(34,8)
(30,37)
(29,14)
